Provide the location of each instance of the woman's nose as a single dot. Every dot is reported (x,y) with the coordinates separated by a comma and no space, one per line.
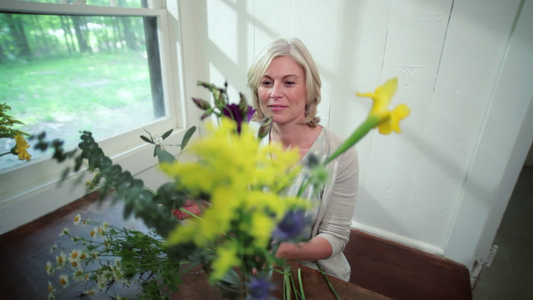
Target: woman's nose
(275,91)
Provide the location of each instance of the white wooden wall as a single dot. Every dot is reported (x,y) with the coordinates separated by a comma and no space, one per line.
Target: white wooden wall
(447,178)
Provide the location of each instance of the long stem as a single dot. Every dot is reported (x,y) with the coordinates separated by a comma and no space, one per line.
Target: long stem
(357,135)
(329,283)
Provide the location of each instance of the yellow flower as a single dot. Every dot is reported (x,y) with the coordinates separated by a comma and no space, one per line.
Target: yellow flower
(21,147)
(388,120)
(225,260)
(243,184)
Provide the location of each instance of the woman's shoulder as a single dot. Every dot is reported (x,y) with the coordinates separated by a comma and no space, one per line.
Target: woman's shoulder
(334,140)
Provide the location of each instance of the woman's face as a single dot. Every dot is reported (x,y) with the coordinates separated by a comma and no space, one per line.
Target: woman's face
(282,91)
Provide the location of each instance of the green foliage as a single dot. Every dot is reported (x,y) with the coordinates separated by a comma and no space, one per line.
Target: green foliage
(7,122)
(155,209)
(95,262)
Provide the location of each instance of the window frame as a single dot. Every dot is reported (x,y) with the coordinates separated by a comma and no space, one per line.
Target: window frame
(17,182)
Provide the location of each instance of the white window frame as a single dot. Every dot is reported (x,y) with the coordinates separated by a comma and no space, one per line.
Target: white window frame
(28,180)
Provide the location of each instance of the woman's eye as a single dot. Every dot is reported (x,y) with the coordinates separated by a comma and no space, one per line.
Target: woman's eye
(289,82)
(266,82)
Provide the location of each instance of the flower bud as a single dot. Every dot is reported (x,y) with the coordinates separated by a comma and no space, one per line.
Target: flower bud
(264,129)
(202,104)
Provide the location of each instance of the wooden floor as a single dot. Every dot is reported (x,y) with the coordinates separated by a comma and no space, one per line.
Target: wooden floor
(381,266)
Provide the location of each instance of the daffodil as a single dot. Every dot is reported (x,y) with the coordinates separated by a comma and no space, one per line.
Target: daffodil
(379,116)
(388,120)
(20,148)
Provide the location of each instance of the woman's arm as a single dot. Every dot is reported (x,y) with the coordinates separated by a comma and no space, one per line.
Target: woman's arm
(314,249)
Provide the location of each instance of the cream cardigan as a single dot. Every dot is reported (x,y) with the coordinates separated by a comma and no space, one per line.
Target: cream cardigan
(337,202)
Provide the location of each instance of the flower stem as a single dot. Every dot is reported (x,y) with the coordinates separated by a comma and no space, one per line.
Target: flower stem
(358,134)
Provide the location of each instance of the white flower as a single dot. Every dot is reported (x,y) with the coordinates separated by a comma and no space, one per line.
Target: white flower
(49,269)
(51,288)
(63,280)
(90,292)
(78,275)
(77,219)
(65,231)
(105,226)
(74,255)
(94,232)
(61,259)
(101,285)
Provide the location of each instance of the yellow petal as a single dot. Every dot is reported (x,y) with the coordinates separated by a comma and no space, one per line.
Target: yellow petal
(399,113)
(388,89)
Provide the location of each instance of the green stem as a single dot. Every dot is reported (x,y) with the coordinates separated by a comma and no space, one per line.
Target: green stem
(301,284)
(357,135)
(2,154)
(329,283)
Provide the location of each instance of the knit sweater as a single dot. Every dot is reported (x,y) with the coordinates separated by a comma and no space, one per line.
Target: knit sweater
(335,202)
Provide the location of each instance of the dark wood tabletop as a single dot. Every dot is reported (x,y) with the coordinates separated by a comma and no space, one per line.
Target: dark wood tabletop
(25,251)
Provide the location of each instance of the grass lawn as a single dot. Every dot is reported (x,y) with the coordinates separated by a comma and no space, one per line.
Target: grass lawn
(103,93)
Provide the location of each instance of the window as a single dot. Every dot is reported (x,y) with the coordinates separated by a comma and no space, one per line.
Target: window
(101,66)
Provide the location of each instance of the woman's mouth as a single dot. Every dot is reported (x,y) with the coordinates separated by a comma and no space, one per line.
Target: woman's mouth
(276,108)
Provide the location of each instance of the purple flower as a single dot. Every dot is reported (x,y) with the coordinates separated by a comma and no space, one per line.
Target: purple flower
(290,226)
(259,288)
(233,111)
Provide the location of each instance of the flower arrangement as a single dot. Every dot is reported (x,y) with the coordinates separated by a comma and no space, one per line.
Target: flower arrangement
(235,237)
(7,123)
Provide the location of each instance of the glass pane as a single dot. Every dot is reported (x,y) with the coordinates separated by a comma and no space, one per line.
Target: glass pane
(64,74)
(119,3)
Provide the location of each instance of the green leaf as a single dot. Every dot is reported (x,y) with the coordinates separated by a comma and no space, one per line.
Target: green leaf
(164,156)
(166,134)
(187,137)
(146,139)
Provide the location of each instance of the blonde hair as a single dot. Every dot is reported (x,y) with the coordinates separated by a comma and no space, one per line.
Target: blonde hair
(295,49)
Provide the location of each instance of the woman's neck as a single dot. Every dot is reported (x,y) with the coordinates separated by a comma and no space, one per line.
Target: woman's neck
(300,135)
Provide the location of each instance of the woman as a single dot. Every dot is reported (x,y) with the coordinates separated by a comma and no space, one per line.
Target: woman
(285,85)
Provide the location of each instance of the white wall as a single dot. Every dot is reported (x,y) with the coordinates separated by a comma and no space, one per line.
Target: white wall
(436,186)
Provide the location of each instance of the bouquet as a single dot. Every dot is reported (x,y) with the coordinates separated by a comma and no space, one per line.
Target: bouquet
(244,216)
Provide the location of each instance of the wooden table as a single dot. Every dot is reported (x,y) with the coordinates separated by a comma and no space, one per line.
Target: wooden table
(25,250)
(196,287)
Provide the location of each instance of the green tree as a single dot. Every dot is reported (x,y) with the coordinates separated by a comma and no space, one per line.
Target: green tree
(18,35)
